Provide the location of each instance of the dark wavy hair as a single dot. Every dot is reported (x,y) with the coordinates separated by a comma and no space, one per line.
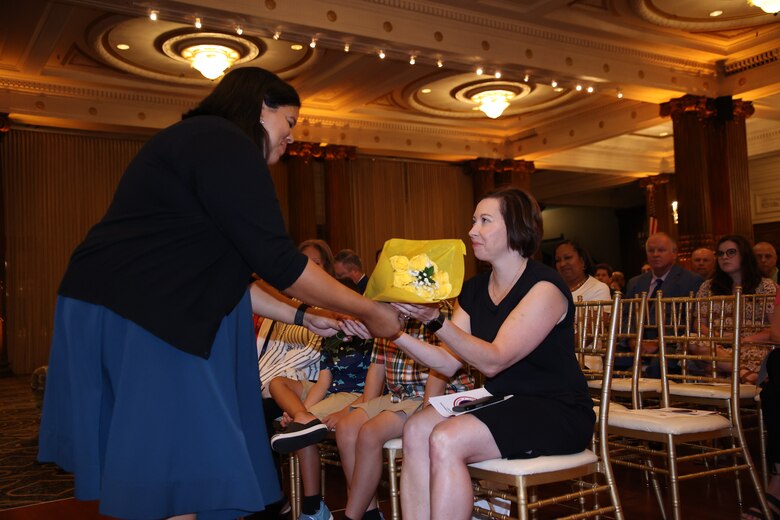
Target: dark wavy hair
(522,217)
(722,284)
(581,251)
(239,98)
(325,253)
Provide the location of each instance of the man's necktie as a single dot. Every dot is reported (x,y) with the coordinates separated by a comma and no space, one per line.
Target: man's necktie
(657,282)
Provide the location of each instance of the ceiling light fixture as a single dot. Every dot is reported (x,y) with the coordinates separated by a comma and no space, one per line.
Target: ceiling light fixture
(497,74)
(479,71)
(277,35)
(412,59)
(590,90)
(313,43)
(122,46)
(346,47)
(620,94)
(153,14)
(198,24)
(578,87)
(239,30)
(553,83)
(211,60)
(381,54)
(439,63)
(526,78)
(768,6)
(716,13)
(493,102)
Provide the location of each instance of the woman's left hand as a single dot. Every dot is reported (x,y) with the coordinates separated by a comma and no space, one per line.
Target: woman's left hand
(355,328)
(321,325)
(423,313)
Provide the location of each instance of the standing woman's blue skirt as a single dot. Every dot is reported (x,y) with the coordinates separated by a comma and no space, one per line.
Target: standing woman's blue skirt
(153,432)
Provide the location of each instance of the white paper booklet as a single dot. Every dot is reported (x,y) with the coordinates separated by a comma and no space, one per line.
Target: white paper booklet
(444,404)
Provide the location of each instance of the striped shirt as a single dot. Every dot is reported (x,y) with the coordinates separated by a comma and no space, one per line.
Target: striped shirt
(291,351)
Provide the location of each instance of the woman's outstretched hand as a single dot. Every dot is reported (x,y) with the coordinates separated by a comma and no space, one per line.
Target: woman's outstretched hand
(321,325)
(423,313)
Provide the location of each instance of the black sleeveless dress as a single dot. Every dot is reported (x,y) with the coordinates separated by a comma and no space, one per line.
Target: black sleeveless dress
(551,412)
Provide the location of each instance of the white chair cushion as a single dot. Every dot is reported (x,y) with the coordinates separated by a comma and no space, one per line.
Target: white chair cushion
(714,390)
(659,421)
(623,384)
(395,444)
(612,408)
(536,465)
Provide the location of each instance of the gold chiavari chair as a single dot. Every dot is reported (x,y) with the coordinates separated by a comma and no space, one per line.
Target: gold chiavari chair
(674,428)
(522,474)
(628,384)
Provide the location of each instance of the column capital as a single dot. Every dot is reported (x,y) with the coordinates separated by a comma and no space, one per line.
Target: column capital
(483,165)
(705,108)
(651,182)
(307,151)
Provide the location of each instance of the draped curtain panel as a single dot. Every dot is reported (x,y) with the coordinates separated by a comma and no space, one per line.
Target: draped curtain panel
(406,199)
(55,187)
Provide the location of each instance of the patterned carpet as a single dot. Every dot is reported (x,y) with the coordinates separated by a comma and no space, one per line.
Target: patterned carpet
(23,481)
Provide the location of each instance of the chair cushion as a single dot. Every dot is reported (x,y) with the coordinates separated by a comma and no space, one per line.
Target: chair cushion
(612,408)
(395,444)
(623,384)
(537,465)
(660,421)
(714,390)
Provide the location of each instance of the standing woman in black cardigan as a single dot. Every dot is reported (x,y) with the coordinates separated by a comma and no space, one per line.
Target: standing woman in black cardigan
(153,397)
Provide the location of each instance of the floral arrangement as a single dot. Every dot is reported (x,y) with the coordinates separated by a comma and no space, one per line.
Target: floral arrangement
(418,271)
(420,275)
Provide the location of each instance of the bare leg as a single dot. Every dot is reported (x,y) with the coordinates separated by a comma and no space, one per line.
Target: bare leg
(309,458)
(454,444)
(415,472)
(346,439)
(366,470)
(287,394)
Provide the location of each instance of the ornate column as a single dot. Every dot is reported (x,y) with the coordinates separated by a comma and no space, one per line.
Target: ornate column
(5,367)
(710,158)
(490,174)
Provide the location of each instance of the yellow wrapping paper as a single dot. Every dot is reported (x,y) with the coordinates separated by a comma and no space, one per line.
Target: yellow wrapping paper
(397,263)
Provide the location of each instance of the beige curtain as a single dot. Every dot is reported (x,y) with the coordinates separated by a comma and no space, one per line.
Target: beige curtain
(55,186)
(405,199)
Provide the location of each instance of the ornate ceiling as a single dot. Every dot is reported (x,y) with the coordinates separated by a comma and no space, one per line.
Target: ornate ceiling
(60,65)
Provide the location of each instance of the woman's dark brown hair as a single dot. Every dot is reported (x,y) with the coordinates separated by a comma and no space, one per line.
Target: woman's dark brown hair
(239,97)
(522,217)
(722,284)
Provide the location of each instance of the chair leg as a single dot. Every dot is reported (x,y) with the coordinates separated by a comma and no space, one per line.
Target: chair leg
(674,484)
(392,475)
(656,488)
(762,446)
(522,502)
(295,486)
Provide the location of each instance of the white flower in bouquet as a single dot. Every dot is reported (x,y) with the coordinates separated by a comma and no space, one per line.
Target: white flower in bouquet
(420,275)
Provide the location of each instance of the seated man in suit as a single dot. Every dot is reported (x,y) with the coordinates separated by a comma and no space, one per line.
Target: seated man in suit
(348,264)
(666,276)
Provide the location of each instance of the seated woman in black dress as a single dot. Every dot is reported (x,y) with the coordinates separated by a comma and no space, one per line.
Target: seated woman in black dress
(515,325)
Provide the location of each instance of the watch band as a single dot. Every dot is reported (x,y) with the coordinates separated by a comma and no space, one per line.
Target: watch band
(299,314)
(436,323)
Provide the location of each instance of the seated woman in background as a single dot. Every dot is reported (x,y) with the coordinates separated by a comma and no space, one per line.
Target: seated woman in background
(737,266)
(573,264)
(515,325)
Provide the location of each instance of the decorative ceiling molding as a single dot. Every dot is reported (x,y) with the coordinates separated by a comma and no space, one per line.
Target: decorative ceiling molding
(502,24)
(54,89)
(751,62)
(652,14)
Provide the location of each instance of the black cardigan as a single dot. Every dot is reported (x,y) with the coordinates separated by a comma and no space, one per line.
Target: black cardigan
(194,215)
